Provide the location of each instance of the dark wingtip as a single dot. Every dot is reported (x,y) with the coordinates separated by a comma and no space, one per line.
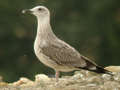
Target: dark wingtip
(102,70)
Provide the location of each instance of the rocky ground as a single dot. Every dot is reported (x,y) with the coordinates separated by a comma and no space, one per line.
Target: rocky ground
(81,80)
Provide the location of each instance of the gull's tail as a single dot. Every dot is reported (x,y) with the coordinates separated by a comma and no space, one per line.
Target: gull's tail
(98,69)
(102,70)
(91,66)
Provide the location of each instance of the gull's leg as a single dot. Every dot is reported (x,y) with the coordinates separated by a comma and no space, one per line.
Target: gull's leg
(57,76)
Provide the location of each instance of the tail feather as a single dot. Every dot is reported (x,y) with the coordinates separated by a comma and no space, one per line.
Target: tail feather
(91,66)
(98,69)
(102,70)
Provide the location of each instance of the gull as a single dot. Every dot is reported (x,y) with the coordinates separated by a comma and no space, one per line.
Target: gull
(55,53)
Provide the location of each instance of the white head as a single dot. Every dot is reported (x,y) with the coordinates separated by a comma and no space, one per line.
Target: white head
(39,11)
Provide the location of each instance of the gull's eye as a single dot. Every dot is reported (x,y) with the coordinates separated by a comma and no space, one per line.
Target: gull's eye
(39,9)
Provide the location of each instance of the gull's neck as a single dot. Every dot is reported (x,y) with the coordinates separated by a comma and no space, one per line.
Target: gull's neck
(44,28)
(44,34)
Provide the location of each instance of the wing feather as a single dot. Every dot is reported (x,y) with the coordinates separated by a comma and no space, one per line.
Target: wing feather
(63,54)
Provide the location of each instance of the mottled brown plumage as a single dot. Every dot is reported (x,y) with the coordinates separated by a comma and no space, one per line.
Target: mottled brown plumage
(54,52)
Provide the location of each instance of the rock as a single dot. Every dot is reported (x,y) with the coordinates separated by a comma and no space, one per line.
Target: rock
(42,78)
(117,76)
(95,80)
(78,76)
(107,77)
(3,84)
(23,81)
(113,68)
(81,80)
(111,85)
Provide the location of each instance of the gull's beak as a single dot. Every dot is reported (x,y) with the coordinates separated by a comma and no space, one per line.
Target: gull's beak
(27,11)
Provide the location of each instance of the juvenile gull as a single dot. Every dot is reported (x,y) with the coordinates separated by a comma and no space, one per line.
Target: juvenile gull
(56,53)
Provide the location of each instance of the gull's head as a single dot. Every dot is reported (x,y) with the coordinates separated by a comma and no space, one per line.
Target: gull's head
(38,11)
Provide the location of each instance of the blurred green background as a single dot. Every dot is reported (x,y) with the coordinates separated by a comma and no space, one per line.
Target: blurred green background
(91,26)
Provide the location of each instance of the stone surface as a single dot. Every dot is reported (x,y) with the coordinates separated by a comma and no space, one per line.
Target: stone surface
(113,68)
(23,81)
(81,80)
